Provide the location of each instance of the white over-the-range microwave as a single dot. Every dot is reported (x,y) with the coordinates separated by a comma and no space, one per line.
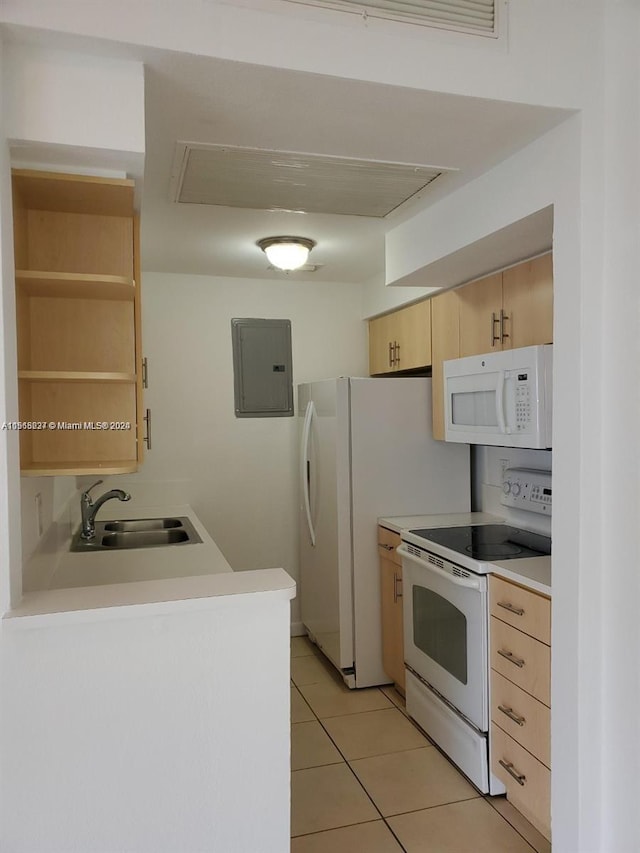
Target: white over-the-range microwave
(500,398)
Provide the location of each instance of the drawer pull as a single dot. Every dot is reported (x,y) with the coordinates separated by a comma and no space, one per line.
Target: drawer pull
(517,610)
(387,547)
(509,656)
(509,712)
(396,594)
(508,766)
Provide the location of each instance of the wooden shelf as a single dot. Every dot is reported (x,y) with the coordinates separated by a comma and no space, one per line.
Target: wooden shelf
(79,469)
(70,193)
(75,376)
(77,313)
(75,285)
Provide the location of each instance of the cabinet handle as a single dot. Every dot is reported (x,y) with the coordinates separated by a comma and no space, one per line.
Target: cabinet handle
(147,420)
(390,354)
(517,611)
(509,656)
(509,712)
(396,594)
(494,337)
(145,373)
(519,777)
(503,318)
(396,353)
(396,580)
(387,547)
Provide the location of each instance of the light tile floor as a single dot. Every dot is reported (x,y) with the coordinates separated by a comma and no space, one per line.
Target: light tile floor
(365,778)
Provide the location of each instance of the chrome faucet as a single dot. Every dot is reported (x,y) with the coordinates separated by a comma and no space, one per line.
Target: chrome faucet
(89,508)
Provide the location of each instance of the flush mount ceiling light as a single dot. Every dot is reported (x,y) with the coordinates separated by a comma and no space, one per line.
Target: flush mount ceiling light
(287,253)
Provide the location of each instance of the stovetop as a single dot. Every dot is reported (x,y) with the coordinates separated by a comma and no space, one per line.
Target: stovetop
(476,546)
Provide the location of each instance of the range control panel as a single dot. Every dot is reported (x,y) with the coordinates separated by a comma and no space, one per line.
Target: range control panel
(527,488)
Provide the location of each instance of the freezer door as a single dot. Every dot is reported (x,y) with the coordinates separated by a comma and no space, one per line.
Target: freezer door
(325,518)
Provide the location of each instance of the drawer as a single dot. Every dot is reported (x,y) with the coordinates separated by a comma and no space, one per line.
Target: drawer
(523,660)
(532,794)
(523,609)
(531,727)
(388,541)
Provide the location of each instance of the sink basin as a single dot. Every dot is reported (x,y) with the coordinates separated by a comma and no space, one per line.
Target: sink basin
(144,538)
(138,533)
(143,524)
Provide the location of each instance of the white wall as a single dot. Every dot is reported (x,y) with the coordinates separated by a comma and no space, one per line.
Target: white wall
(242,472)
(59,100)
(544,58)
(54,494)
(148,732)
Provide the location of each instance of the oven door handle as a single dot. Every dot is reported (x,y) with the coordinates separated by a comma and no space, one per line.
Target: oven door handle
(466,582)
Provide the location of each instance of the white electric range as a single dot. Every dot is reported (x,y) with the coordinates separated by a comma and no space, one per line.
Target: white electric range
(446,620)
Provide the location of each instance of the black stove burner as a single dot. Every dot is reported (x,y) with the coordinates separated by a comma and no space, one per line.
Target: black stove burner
(504,550)
(489,542)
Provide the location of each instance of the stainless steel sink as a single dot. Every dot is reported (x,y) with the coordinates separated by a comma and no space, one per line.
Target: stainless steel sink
(138,533)
(144,538)
(143,524)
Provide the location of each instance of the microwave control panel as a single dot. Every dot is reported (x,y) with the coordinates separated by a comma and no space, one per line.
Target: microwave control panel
(527,488)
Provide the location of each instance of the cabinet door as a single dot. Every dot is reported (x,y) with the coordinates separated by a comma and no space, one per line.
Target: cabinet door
(527,301)
(480,303)
(380,343)
(445,344)
(392,624)
(411,334)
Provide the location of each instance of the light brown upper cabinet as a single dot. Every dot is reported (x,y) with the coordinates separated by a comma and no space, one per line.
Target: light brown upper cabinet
(78,323)
(527,301)
(508,310)
(401,340)
(445,344)
(480,307)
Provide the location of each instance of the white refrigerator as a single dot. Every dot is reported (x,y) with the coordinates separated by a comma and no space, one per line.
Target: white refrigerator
(365,451)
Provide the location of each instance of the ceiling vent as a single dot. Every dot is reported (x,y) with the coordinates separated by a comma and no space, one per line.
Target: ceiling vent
(467,16)
(289,181)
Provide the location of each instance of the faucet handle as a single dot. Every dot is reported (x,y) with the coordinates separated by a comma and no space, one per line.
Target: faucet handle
(85,494)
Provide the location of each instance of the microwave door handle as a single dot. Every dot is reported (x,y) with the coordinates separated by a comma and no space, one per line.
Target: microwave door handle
(500,403)
(466,582)
(305,469)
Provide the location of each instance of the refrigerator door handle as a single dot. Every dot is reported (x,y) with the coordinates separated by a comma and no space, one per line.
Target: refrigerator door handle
(305,468)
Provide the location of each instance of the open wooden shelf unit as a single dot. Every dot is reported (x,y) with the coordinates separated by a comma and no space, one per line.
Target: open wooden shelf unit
(78,324)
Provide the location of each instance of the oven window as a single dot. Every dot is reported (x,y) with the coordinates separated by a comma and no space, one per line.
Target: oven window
(474,408)
(440,631)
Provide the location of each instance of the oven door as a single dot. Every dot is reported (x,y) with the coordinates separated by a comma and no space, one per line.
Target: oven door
(445,631)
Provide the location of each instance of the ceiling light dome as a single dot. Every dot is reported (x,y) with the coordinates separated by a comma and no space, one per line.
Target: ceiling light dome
(287,253)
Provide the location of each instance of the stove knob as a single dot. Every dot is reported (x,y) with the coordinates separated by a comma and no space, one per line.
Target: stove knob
(516,488)
(506,487)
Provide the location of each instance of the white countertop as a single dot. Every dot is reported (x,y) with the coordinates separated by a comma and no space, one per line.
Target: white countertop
(75,586)
(451,519)
(531,572)
(93,568)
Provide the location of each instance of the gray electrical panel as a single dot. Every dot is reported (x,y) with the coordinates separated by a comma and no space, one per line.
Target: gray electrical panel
(262,368)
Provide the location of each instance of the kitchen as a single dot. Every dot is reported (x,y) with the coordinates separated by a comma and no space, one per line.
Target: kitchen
(449,225)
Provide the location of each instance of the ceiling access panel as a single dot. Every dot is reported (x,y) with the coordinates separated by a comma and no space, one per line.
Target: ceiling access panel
(261,179)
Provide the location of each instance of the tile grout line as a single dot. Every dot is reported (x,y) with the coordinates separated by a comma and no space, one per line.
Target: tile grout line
(430,743)
(355,775)
(514,828)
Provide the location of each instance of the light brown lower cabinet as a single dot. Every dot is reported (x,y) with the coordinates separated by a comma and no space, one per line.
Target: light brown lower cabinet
(521,698)
(527,780)
(391,606)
